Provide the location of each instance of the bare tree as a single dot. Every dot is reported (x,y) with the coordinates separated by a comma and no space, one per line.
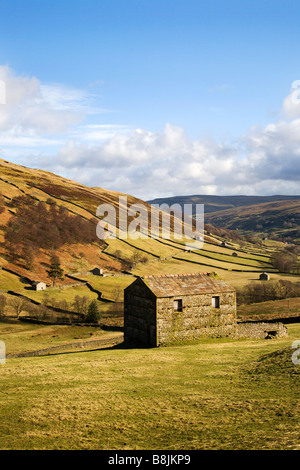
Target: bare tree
(3,302)
(81,304)
(18,304)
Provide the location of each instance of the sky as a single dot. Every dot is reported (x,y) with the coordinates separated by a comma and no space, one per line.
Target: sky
(154,98)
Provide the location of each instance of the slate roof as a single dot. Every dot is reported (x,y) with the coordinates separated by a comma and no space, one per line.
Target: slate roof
(172,285)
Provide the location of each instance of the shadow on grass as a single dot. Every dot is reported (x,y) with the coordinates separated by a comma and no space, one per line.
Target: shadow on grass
(77,350)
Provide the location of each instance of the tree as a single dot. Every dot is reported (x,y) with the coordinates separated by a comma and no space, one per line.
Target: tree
(18,304)
(3,302)
(80,304)
(28,256)
(29,226)
(2,204)
(118,254)
(54,258)
(117,294)
(284,260)
(117,309)
(55,272)
(93,315)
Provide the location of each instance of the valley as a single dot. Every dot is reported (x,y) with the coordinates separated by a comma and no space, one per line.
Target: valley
(235,259)
(108,387)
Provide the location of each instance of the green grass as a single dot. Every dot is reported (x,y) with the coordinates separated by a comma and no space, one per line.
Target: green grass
(272,307)
(235,278)
(25,337)
(110,286)
(224,261)
(9,281)
(213,394)
(64,293)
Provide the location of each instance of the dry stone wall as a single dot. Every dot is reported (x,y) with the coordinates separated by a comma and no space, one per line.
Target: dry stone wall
(260,330)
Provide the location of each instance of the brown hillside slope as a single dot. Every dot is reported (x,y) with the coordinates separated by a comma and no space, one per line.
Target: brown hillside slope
(17,180)
(149,255)
(270,217)
(77,199)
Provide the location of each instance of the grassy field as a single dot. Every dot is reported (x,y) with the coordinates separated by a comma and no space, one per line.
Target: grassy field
(66,293)
(22,337)
(272,307)
(9,281)
(112,287)
(213,394)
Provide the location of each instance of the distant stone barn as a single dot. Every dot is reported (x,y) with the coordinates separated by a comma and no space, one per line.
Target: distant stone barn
(162,309)
(264,277)
(39,286)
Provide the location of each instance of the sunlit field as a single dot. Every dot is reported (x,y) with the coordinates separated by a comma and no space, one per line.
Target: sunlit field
(212,394)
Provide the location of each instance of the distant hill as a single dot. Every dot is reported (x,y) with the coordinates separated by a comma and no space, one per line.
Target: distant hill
(220,203)
(277,215)
(280,219)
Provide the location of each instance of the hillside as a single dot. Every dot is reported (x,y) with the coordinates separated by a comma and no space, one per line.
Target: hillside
(278,219)
(220,203)
(82,201)
(41,186)
(44,216)
(278,215)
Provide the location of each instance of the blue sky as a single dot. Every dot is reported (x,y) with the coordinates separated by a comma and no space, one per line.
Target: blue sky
(154,98)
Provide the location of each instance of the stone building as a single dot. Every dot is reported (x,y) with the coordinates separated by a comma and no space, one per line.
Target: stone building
(162,309)
(97,271)
(39,286)
(264,277)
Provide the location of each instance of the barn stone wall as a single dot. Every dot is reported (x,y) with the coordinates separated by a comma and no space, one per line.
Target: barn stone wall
(197,319)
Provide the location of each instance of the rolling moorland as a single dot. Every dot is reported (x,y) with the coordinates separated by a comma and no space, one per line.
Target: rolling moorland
(67,384)
(275,216)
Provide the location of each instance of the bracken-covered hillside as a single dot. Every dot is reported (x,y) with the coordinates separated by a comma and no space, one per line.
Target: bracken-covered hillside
(44,217)
(35,201)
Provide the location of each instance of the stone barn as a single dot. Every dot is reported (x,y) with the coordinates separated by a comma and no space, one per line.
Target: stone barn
(39,286)
(97,271)
(264,277)
(166,308)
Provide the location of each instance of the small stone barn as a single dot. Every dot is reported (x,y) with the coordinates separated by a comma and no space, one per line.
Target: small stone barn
(97,271)
(162,309)
(39,286)
(264,277)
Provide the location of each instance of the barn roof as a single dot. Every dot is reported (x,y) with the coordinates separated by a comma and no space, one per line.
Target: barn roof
(172,285)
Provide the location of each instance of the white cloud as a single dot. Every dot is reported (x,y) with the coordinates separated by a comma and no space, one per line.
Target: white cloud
(46,123)
(291,104)
(42,109)
(266,161)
